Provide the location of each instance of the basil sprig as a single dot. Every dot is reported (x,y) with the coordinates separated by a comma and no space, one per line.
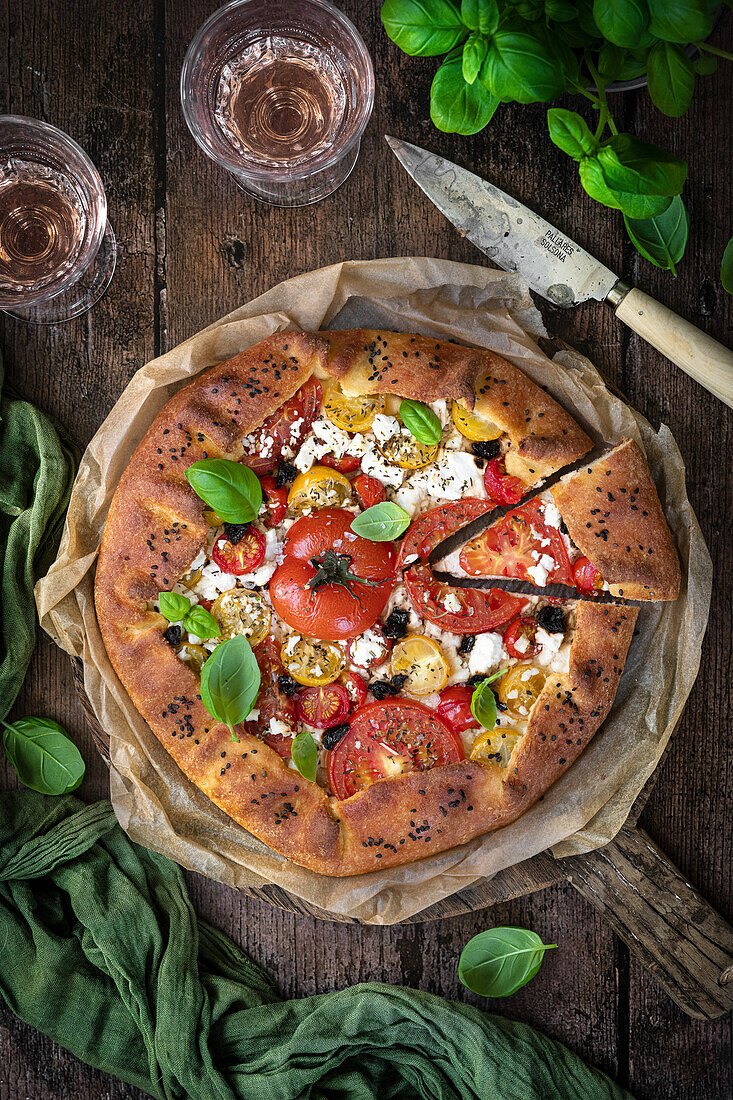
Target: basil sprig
(173,606)
(726,268)
(483,701)
(230,680)
(202,623)
(499,961)
(421,421)
(45,759)
(230,488)
(382,522)
(304,754)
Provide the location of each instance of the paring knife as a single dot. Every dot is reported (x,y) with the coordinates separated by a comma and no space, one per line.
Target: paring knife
(516,239)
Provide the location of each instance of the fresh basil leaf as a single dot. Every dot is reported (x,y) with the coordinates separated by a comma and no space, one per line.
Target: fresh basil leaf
(474,52)
(480,15)
(499,961)
(569,131)
(634,65)
(202,623)
(636,167)
(382,522)
(661,240)
(457,107)
(611,60)
(622,22)
(705,64)
(230,680)
(519,68)
(670,79)
(45,759)
(423,28)
(633,205)
(231,489)
(681,21)
(483,701)
(586,20)
(560,11)
(304,754)
(726,267)
(173,606)
(422,422)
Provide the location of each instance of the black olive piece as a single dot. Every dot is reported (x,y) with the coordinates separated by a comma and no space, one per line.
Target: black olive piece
(488,449)
(396,624)
(330,738)
(380,689)
(173,634)
(551,619)
(477,678)
(499,704)
(563,527)
(286,473)
(397,682)
(468,641)
(287,685)
(235,532)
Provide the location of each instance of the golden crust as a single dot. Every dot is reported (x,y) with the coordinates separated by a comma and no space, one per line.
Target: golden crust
(614,517)
(154,530)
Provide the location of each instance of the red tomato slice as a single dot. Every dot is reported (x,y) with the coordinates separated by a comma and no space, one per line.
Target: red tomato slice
(426,532)
(276,499)
(585,576)
(455,708)
(505,549)
(389,739)
(481,609)
(519,638)
(381,642)
(369,490)
(323,707)
(331,612)
(264,446)
(356,688)
(271,702)
(345,465)
(499,486)
(240,557)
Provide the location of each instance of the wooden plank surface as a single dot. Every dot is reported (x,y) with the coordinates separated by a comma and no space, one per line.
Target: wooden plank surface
(191,248)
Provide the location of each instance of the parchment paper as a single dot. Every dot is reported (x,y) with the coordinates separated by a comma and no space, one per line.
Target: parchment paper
(157,805)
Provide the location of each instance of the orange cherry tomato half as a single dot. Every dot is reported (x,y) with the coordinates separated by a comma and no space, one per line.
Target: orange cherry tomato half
(585,576)
(323,707)
(500,487)
(345,465)
(287,427)
(369,490)
(276,500)
(389,739)
(356,688)
(455,708)
(240,557)
(519,638)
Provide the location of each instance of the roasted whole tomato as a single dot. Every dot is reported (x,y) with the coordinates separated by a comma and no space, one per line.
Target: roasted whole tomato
(242,556)
(275,498)
(264,446)
(388,739)
(323,707)
(481,609)
(425,533)
(500,487)
(331,584)
(271,701)
(369,490)
(347,464)
(455,708)
(519,638)
(506,548)
(586,577)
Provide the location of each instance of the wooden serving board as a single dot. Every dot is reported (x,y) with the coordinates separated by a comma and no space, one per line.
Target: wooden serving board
(669,926)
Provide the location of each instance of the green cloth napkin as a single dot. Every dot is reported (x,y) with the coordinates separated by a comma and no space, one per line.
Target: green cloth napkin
(37,468)
(102,951)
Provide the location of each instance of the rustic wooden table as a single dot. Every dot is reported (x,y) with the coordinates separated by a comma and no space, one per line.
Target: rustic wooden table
(191,248)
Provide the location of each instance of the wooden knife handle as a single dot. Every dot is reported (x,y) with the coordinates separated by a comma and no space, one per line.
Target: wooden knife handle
(676,935)
(703,358)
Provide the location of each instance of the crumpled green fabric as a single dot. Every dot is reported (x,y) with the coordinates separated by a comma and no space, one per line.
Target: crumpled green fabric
(102,951)
(37,466)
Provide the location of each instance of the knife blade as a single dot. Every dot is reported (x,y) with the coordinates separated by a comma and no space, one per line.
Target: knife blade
(525,588)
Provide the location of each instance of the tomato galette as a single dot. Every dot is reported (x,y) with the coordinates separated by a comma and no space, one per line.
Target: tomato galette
(275,590)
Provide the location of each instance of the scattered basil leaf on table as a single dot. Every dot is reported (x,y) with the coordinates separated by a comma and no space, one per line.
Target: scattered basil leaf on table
(202,623)
(230,680)
(231,489)
(661,240)
(570,132)
(382,522)
(173,606)
(499,961)
(44,757)
(423,28)
(670,79)
(705,64)
(455,106)
(304,754)
(422,422)
(483,701)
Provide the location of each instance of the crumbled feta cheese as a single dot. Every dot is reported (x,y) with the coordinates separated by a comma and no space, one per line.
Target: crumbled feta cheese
(213,581)
(253,715)
(487,652)
(540,572)
(452,603)
(374,464)
(550,655)
(325,438)
(368,649)
(552,515)
(384,427)
(521,644)
(441,410)
(198,561)
(452,476)
(279,728)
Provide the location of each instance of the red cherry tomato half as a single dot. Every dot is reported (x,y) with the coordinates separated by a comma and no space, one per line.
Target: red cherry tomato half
(377,641)
(481,609)
(206,604)
(356,688)
(369,490)
(426,532)
(276,500)
(345,465)
(271,701)
(585,576)
(287,427)
(389,739)
(455,708)
(519,638)
(323,707)
(499,486)
(240,557)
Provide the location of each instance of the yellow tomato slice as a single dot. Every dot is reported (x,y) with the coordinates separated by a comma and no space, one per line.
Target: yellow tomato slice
(189,580)
(518,689)
(311,662)
(491,744)
(193,655)
(421,660)
(351,414)
(213,518)
(406,452)
(241,612)
(472,425)
(319,487)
